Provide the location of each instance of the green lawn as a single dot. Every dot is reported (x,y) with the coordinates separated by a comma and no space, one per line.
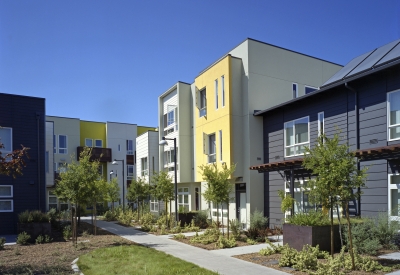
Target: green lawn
(135,259)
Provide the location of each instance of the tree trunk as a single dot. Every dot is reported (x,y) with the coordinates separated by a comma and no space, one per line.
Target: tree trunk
(228,219)
(350,236)
(217,216)
(95,219)
(222,217)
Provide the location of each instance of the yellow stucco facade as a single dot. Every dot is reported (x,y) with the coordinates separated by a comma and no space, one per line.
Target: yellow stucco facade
(217,119)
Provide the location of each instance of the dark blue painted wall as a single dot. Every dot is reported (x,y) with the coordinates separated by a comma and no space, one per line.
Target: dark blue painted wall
(26,117)
(338,105)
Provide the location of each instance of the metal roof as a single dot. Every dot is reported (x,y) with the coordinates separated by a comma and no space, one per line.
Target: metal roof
(367,61)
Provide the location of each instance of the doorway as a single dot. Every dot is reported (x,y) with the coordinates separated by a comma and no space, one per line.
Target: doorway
(241,202)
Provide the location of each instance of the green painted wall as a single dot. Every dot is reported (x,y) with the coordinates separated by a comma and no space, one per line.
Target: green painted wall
(143,129)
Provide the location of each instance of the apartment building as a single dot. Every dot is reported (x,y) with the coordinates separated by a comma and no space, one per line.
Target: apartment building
(22,121)
(222,129)
(363,101)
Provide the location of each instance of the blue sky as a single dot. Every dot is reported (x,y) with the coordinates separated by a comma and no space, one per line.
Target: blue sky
(110,60)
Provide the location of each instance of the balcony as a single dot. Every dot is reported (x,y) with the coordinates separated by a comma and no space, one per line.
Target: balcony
(100,154)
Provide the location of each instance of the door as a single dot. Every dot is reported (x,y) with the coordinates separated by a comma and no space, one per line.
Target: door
(241,202)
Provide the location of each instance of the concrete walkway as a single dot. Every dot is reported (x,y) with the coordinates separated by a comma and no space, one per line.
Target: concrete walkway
(216,260)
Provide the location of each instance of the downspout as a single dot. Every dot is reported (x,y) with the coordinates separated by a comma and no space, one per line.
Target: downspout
(38,158)
(357,128)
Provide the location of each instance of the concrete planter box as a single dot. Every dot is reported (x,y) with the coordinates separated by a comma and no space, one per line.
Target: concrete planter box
(296,236)
(185,218)
(34,229)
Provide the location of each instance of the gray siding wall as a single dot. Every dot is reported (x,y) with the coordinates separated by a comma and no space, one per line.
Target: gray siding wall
(338,105)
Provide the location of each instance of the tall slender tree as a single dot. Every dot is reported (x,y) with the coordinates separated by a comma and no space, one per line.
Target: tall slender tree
(163,189)
(138,191)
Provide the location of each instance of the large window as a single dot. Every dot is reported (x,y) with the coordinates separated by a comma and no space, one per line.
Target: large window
(62,144)
(53,201)
(144,168)
(129,147)
(393,115)
(154,207)
(169,157)
(171,117)
(130,169)
(296,136)
(301,204)
(6,140)
(6,201)
(394,196)
(212,147)
(203,103)
(223,90)
(183,199)
(221,211)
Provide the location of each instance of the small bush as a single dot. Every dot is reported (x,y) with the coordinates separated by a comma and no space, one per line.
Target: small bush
(126,217)
(235,227)
(179,236)
(258,220)
(223,242)
(110,216)
(2,242)
(33,216)
(47,239)
(39,239)
(23,238)
(312,218)
(147,218)
(272,249)
(67,232)
(162,220)
(251,242)
(201,219)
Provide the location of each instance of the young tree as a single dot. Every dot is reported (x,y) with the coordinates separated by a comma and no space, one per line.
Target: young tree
(163,189)
(113,192)
(14,162)
(337,178)
(219,185)
(138,191)
(97,193)
(75,183)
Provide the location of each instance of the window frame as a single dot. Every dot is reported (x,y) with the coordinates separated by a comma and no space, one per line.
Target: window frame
(220,145)
(294,134)
(220,213)
(203,102)
(144,172)
(390,188)
(181,197)
(321,122)
(95,143)
(295,92)
(8,198)
(310,87)
(129,149)
(216,93)
(302,190)
(388,116)
(4,151)
(63,148)
(223,90)
(129,175)
(212,157)
(169,115)
(154,203)
(86,142)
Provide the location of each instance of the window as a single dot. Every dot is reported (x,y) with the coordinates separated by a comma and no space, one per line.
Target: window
(309,89)
(154,204)
(221,211)
(296,136)
(144,171)
(98,143)
(171,117)
(62,144)
(223,90)
(183,199)
(129,169)
(101,170)
(294,90)
(394,196)
(216,94)
(212,148)
(54,144)
(88,142)
(203,103)
(169,157)
(321,123)
(220,145)
(169,131)
(301,204)
(53,200)
(6,140)
(393,115)
(129,147)
(6,201)
(119,147)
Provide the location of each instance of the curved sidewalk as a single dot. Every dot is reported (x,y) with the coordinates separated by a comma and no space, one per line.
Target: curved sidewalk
(216,260)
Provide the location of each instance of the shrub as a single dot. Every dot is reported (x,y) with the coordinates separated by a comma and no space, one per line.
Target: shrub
(251,242)
(312,218)
(54,217)
(23,238)
(364,237)
(201,219)
(174,230)
(126,217)
(2,242)
(235,227)
(67,232)
(272,249)
(179,236)
(47,239)
(147,219)
(162,220)
(223,242)
(110,216)
(258,220)
(33,216)
(40,239)
(210,235)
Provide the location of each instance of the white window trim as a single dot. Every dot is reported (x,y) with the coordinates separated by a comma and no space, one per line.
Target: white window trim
(297,90)
(216,93)
(392,187)
(300,190)
(144,172)
(12,206)
(96,145)
(204,108)
(223,90)
(220,213)
(210,146)
(183,193)
(388,116)
(130,176)
(12,191)
(284,136)
(66,143)
(319,123)
(308,86)
(87,139)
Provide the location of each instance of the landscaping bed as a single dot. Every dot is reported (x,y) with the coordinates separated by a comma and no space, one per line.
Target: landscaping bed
(54,257)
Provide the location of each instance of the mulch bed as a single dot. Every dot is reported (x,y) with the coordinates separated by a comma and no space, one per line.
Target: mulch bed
(55,257)
(273,260)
